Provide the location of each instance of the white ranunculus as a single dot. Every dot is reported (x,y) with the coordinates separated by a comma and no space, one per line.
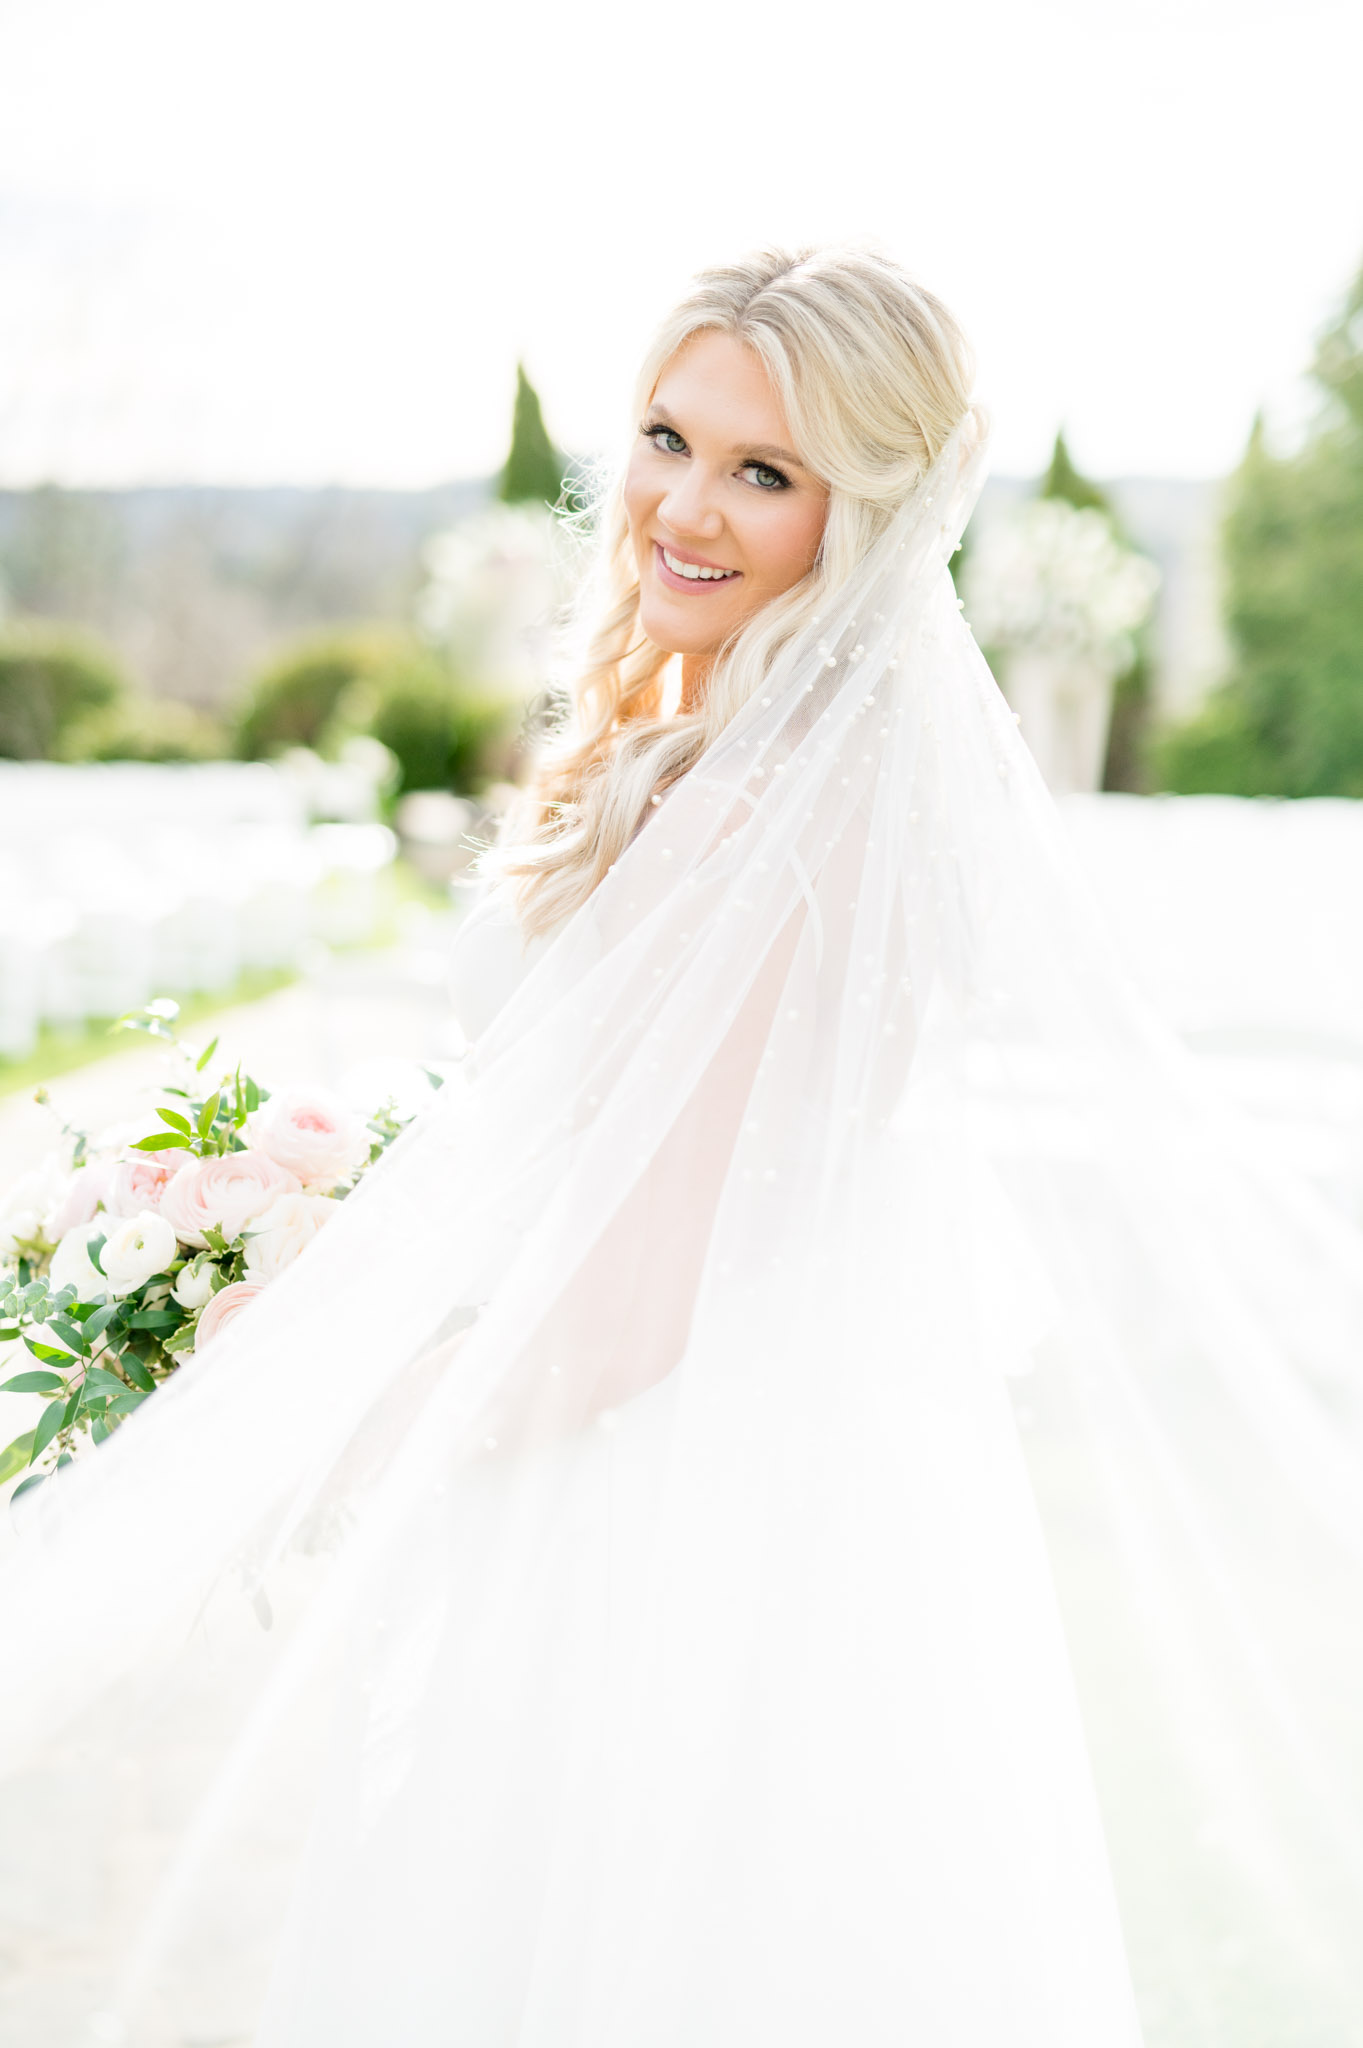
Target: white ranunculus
(312,1135)
(286,1229)
(71,1263)
(136,1248)
(28,1205)
(192,1288)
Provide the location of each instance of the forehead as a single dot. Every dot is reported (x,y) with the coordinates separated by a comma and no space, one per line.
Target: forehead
(718,387)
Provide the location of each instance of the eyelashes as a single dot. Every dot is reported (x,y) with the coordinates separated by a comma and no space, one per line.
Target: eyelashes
(763,476)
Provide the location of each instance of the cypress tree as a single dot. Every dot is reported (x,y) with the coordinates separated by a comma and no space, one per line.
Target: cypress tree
(534,468)
(1063,480)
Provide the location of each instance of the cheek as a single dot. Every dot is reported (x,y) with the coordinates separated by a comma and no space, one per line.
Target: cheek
(785,549)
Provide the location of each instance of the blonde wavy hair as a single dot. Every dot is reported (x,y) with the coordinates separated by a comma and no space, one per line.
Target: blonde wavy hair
(873,374)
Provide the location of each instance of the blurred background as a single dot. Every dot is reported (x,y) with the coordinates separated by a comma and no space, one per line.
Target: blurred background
(309,315)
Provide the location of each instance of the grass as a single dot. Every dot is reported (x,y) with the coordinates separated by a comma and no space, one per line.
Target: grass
(62,1049)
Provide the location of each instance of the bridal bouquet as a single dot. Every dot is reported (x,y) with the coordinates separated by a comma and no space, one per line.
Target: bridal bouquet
(119,1262)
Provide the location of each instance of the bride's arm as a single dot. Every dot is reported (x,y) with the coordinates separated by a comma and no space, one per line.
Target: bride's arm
(622,1323)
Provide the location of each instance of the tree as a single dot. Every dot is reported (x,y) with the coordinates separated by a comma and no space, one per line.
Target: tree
(1063,480)
(1288,718)
(1124,767)
(534,468)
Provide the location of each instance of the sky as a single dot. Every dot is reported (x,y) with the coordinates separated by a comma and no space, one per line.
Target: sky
(289,242)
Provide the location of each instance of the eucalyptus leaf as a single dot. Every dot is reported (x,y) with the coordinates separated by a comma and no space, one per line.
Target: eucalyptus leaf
(15,1456)
(28,1485)
(49,1422)
(33,1383)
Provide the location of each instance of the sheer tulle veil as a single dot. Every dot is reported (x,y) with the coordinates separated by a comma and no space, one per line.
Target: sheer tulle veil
(815,1495)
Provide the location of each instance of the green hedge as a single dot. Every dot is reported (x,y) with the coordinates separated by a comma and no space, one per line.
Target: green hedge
(145,729)
(51,679)
(445,734)
(293,702)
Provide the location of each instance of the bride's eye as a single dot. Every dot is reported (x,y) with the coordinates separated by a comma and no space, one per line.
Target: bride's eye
(666,439)
(765,477)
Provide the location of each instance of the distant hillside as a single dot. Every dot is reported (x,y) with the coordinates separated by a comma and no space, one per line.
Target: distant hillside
(197,585)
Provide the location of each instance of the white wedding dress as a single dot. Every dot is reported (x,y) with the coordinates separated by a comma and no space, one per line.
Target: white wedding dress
(818,1453)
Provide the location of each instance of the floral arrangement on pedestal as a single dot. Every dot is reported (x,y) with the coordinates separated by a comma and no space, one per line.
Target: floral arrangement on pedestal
(1057,598)
(122,1261)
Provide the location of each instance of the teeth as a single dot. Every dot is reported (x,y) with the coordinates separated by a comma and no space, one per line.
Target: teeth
(694,573)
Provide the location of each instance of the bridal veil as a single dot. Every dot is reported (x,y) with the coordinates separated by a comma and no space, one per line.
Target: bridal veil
(815,1496)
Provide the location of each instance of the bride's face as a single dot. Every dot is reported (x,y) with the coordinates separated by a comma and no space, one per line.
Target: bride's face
(715,485)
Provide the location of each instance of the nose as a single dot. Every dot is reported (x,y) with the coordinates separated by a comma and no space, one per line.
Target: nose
(689,508)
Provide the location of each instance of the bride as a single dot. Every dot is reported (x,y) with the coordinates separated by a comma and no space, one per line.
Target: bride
(815,1496)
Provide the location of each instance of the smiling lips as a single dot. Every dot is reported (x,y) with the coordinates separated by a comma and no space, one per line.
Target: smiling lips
(690,573)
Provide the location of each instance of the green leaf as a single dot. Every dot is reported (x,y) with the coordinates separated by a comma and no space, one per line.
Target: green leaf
(208,1113)
(164,1141)
(125,1403)
(93,1250)
(15,1456)
(72,1334)
(48,1353)
(253,1096)
(205,1056)
(100,1430)
(28,1485)
(73,1407)
(97,1379)
(137,1372)
(155,1319)
(215,1239)
(49,1423)
(97,1323)
(33,1383)
(175,1120)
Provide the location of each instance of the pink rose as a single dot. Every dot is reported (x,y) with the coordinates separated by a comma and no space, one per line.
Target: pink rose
(313,1135)
(79,1202)
(139,1181)
(223,1308)
(224,1193)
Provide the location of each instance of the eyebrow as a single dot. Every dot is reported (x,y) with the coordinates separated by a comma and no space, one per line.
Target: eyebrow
(762,451)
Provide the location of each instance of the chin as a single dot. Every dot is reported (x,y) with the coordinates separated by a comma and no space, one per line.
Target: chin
(665,631)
